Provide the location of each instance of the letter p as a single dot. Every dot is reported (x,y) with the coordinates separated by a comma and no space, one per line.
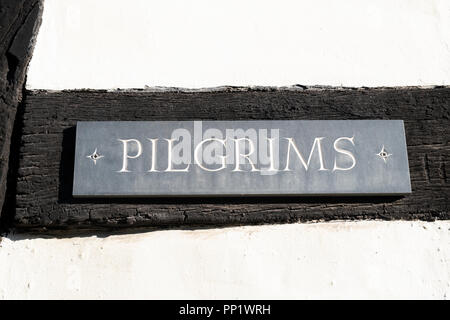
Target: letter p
(126,155)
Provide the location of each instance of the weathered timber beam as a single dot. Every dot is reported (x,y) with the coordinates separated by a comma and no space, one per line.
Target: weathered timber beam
(45,170)
(19,23)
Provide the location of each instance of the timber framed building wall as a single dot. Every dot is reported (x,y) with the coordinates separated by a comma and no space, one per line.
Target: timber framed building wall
(42,146)
(379,60)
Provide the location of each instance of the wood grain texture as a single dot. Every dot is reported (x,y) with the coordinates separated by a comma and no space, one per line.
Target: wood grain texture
(45,169)
(19,22)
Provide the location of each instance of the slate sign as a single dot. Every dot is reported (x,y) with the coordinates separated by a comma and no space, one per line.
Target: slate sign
(238,158)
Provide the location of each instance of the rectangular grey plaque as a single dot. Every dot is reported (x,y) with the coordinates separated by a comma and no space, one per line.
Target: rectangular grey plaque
(263,157)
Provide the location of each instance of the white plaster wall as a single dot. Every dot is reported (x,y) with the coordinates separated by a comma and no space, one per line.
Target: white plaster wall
(109,44)
(204,43)
(375,259)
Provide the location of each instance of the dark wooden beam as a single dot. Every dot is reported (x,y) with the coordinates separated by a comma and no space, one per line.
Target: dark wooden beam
(19,22)
(45,170)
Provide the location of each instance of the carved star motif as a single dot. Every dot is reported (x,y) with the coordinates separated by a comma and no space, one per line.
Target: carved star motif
(384,154)
(95,156)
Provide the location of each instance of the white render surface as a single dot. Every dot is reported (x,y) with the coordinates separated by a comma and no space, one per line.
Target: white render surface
(203,43)
(366,259)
